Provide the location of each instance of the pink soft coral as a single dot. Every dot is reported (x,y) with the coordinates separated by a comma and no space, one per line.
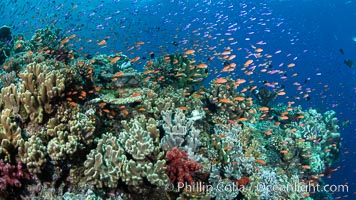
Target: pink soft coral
(11,175)
(179,167)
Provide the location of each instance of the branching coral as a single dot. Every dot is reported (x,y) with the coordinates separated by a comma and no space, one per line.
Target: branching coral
(318,140)
(233,162)
(6,79)
(46,41)
(267,184)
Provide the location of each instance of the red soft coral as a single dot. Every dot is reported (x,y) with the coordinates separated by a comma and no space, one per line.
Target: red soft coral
(11,175)
(179,167)
(242,182)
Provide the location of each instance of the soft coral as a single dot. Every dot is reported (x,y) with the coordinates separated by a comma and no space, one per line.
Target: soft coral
(11,175)
(179,167)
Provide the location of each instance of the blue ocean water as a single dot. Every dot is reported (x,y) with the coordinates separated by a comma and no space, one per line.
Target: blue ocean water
(325,28)
(308,33)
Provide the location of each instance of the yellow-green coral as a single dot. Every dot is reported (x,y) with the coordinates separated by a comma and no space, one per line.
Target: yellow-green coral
(40,86)
(104,164)
(10,133)
(109,162)
(70,131)
(34,96)
(33,154)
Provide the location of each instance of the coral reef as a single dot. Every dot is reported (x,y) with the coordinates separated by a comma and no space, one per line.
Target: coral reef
(7,79)
(233,164)
(90,127)
(33,152)
(224,102)
(10,134)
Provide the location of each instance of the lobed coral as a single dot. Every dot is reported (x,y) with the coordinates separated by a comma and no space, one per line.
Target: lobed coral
(33,153)
(35,95)
(70,131)
(126,156)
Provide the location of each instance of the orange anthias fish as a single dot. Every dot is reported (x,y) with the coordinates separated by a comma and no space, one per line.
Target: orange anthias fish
(140,43)
(268,132)
(102,42)
(114,60)
(117,74)
(202,66)
(189,52)
(231,57)
(264,109)
(291,65)
(239,98)
(259,50)
(220,80)
(240,81)
(225,100)
(281,93)
(262,162)
(247,63)
(226,53)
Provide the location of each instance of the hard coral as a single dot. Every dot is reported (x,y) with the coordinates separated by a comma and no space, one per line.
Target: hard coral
(179,167)
(11,175)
